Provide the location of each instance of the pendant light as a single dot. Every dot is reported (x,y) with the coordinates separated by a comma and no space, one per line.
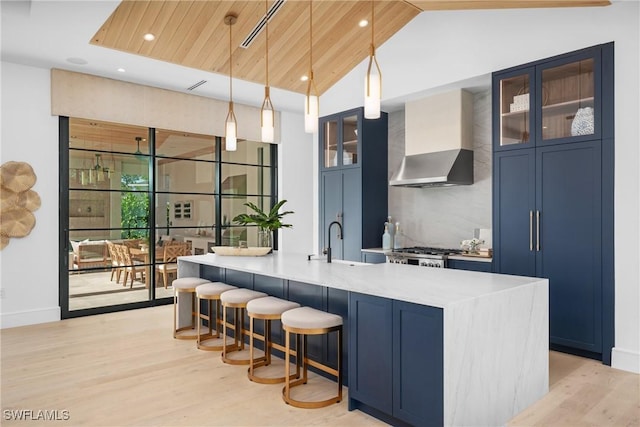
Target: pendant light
(372,81)
(231,125)
(311,103)
(267,114)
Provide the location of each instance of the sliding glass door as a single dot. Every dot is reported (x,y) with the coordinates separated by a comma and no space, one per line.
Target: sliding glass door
(130,192)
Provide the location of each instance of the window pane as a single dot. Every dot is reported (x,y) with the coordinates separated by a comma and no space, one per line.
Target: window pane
(105,136)
(89,170)
(242,179)
(232,232)
(185,145)
(185,176)
(185,214)
(251,152)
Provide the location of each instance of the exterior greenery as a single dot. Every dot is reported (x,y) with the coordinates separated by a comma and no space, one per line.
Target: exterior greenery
(134,209)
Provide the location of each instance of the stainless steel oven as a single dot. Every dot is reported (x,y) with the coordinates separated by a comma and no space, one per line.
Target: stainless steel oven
(421,256)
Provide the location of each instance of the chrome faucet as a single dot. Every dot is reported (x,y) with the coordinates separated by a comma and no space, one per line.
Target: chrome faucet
(328,248)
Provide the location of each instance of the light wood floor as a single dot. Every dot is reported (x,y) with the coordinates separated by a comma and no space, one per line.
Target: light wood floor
(125,369)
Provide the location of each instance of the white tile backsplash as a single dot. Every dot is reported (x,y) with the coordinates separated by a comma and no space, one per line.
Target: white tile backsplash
(443,216)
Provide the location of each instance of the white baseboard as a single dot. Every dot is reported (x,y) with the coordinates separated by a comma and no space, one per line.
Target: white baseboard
(626,360)
(29,317)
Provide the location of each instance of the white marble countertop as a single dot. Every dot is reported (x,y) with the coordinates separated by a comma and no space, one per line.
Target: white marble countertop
(428,286)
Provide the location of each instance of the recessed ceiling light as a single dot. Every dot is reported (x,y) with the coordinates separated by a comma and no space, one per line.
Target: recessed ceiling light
(363,23)
(77,61)
(121,70)
(149,37)
(304,78)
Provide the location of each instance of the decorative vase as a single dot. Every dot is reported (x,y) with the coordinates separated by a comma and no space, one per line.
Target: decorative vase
(582,122)
(264,238)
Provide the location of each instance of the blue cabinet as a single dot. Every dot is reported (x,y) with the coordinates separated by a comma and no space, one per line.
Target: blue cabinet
(551,194)
(457,264)
(396,360)
(371,352)
(353,181)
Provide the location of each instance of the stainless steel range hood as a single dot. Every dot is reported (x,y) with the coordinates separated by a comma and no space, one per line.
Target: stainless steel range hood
(438,142)
(450,167)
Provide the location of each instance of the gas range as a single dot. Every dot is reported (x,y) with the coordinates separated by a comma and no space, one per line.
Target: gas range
(422,256)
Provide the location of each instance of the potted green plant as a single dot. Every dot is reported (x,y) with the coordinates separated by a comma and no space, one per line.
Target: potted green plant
(266,222)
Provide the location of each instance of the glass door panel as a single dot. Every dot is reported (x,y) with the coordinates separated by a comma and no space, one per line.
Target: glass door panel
(515,107)
(568,100)
(330,144)
(350,140)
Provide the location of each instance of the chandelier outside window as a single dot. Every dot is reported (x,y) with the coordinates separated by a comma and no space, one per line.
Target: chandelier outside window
(311,102)
(231,125)
(90,175)
(267,113)
(373,80)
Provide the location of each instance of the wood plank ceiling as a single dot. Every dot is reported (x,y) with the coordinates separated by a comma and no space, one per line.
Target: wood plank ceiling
(193,34)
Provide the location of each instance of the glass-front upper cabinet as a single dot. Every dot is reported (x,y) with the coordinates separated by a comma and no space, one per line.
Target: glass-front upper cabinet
(553,101)
(567,99)
(515,104)
(339,139)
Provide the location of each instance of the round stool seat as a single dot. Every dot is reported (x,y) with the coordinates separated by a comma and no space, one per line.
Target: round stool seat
(310,318)
(268,306)
(212,290)
(188,283)
(240,296)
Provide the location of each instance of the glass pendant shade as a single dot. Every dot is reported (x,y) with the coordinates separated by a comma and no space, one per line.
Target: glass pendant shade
(267,126)
(372,89)
(311,114)
(231,131)
(267,118)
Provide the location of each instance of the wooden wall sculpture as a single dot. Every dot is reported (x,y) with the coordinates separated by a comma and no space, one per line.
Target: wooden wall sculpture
(17,201)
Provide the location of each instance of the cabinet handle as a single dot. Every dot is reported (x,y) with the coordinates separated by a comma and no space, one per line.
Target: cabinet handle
(538,231)
(531,230)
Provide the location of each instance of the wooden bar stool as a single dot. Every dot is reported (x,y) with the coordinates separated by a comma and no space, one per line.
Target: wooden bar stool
(236,299)
(267,309)
(305,321)
(182,286)
(210,292)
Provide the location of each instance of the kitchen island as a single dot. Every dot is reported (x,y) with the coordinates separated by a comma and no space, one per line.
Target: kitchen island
(425,346)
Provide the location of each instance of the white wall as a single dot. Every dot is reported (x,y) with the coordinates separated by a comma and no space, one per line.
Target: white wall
(296,166)
(29,276)
(440,48)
